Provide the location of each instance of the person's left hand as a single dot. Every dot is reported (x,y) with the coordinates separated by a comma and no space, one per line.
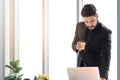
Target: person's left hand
(80,45)
(102,78)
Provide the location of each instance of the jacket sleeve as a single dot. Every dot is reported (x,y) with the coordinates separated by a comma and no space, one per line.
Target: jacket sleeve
(76,38)
(105,54)
(79,34)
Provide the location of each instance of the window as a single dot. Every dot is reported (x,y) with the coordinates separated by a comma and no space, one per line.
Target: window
(30,37)
(62,24)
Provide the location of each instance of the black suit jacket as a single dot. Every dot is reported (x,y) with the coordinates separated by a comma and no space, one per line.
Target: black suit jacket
(98,47)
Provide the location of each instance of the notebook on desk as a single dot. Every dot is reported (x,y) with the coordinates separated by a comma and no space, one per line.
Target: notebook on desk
(83,73)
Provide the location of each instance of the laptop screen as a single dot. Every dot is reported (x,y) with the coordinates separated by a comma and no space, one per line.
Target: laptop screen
(83,73)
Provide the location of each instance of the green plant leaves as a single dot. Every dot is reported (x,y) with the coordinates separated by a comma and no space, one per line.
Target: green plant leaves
(20,75)
(15,68)
(18,69)
(14,63)
(10,67)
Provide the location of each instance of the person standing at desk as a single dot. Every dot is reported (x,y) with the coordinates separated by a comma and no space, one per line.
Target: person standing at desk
(96,48)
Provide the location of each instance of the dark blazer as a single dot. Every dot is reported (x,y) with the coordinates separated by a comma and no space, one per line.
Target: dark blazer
(98,47)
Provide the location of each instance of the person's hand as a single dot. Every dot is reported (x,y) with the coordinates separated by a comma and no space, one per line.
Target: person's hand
(80,45)
(102,78)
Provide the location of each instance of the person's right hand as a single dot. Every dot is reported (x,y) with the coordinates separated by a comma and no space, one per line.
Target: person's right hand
(80,45)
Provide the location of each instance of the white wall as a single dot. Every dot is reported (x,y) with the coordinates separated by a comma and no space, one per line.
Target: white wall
(6,34)
(62,24)
(30,37)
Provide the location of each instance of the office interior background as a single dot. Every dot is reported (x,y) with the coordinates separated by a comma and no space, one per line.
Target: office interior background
(40,32)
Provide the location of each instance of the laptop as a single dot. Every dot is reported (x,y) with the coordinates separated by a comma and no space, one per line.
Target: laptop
(83,73)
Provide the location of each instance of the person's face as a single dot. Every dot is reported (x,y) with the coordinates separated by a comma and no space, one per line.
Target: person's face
(91,21)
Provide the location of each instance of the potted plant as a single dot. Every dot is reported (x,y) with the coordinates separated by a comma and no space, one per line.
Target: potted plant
(14,70)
